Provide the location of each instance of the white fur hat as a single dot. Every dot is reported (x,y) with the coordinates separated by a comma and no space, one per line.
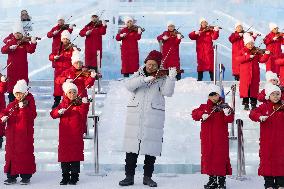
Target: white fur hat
(170,23)
(201,20)
(238,24)
(270,75)
(127,18)
(272,26)
(247,39)
(68,86)
(60,17)
(270,88)
(20,87)
(75,57)
(66,34)
(214,88)
(18,28)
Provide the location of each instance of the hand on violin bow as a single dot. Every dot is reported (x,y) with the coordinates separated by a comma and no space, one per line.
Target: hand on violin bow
(267,52)
(104,23)
(4,119)
(71,26)
(3,78)
(88,32)
(216,28)
(179,36)
(93,74)
(205,116)
(139,30)
(33,40)
(263,118)
(227,111)
(13,47)
(172,73)
(61,111)
(148,79)
(241,34)
(85,100)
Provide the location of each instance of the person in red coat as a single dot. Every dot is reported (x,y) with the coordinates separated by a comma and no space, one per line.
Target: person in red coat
(271,152)
(250,73)
(215,160)
(273,42)
(3,90)
(76,75)
(271,78)
(55,33)
(20,115)
(129,47)
(17,51)
(204,48)
(61,61)
(93,43)
(236,39)
(71,144)
(170,40)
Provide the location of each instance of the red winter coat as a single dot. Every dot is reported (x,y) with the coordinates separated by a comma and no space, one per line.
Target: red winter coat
(71,144)
(93,42)
(19,61)
(215,158)
(3,90)
(56,38)
(271,144)
(19,133)
(170,57)
(129,51)
(237,47)
(9,38)
(249,73)
(280,63)
(275,48)
(204,49)
(60,65)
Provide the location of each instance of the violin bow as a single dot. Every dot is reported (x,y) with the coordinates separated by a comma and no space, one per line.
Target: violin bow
(275,111)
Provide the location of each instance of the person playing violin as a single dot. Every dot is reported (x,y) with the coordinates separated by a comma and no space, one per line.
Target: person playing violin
(55,32)
(61,61)
(271,117)
(215,160)
(17,51)
(273,42)
(145,117)
(204,48)
(250,72)
(19,116)
(93,42)
(71,128)
(129,47)
(170,40)
(82,77)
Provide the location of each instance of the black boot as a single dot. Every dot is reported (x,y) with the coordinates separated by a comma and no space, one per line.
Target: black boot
(269,182)
(222,182)
(1,142)
(56,101)
(10,181)
(74,178)
(212,183)
(148,181)
(25,181)
(65,179)
(246,107)
(253,103)
(129,180)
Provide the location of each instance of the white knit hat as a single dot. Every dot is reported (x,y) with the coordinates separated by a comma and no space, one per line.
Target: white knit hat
(75,57)
(169,23)
(65,34)
(20,87)
(238,24)
(127,18)
(247,39)
(214,88)
(201,20)
(270,75)
(18,28)
(68,86)
(272,26)
(60,17)
(270,88)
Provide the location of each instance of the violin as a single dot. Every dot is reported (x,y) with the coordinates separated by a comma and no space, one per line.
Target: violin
(71,45)
(66,26)
(278,106)
(26,39)
(222,105)
(135,28)
(257,50)
(78,101)
(85,72)
(163,73)
(175,32)
(250,32)
(210,28)
(97,23)
(279,34)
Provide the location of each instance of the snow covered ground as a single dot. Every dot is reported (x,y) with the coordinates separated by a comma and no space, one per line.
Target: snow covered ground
(51,180)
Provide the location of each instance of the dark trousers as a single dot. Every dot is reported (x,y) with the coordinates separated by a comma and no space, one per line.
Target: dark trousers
(131,164)
(126,75)
(73,167)
(178,76)
(274,182)
(93,68)
(237,77)
(200,76)
(11,97)
(23,176)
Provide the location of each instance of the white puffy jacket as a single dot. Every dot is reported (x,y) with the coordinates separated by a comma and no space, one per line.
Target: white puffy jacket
(146,114)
